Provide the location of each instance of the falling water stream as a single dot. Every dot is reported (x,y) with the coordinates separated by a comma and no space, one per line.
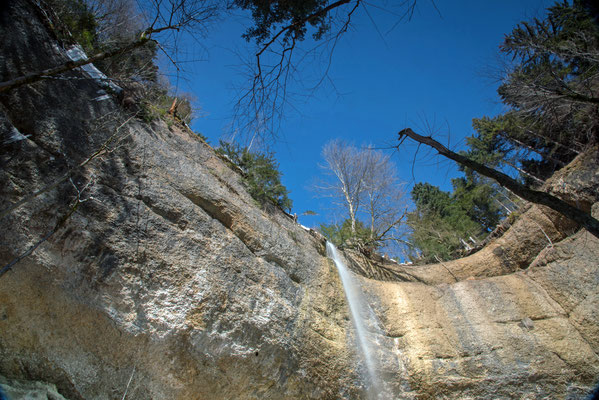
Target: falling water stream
(362,316)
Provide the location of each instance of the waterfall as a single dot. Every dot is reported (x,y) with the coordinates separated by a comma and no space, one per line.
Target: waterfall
(362,316)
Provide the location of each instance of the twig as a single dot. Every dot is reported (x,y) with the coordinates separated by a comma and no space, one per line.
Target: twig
(542,230)
(129,383)
(445,266)
(66,176)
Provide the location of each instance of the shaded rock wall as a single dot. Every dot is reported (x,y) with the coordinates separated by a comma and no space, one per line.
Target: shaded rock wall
(14,389)
(169,267)
(170,277)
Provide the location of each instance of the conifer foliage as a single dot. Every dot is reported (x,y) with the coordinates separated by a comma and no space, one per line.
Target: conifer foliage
(270,15)
(260,173)
(551,89)
(445,224)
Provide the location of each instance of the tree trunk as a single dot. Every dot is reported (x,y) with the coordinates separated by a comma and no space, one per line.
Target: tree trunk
(352,216)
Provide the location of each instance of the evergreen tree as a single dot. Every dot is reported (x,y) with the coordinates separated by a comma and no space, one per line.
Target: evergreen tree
(552,87)
(476,198)
(443,224)
(512,141)
(260,173)
(271,15)
(552,94)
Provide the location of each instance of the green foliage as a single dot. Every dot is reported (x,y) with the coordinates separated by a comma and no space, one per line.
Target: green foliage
(271,15)
(261,174)
(136,70)
(434,237)
(550,91)
(442,220)
(137,66)
(552,86)
(553,115)
(430,199)
(202,136)
(85,27)
(341,235)
(477,200)
(516,141)
(563,31)
(157,103)
(78,22)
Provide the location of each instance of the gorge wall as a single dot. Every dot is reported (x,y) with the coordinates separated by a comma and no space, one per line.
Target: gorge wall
(167,281)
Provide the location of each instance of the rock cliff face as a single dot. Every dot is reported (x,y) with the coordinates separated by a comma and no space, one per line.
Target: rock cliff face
(166,281)
(500,337)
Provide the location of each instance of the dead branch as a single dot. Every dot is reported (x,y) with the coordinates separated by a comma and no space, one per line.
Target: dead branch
(69,65)
(68,174)
(575,214)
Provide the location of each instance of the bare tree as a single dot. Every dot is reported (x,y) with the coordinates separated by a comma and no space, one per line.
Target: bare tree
(384,197)
(115,18)
(364,182)
(348,169)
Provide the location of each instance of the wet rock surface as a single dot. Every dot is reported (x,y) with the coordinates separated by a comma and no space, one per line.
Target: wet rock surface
(500,337)
(168,281)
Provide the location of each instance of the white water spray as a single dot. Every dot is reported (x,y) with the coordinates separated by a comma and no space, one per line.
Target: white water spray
(361,314)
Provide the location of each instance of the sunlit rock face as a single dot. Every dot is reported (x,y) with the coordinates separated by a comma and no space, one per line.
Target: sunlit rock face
(531,334)
(169,282)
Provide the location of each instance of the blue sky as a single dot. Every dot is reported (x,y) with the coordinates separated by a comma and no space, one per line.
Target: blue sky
(436,70)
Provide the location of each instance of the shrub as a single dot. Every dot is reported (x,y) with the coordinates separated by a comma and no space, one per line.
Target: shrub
(260,173)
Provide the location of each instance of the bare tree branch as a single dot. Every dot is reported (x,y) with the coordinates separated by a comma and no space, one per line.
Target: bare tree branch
(68,66)
(275,64)
(183,14)
(103,148)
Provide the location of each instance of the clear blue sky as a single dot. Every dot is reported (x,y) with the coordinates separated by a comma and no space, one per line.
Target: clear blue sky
(435,69)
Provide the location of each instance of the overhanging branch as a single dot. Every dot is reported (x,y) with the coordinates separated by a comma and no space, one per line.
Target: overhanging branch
(575,214)
(69,65)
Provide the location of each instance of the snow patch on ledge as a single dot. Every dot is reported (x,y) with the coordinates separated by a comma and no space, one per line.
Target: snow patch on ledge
(15,136)
(76,53)
(305,227)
